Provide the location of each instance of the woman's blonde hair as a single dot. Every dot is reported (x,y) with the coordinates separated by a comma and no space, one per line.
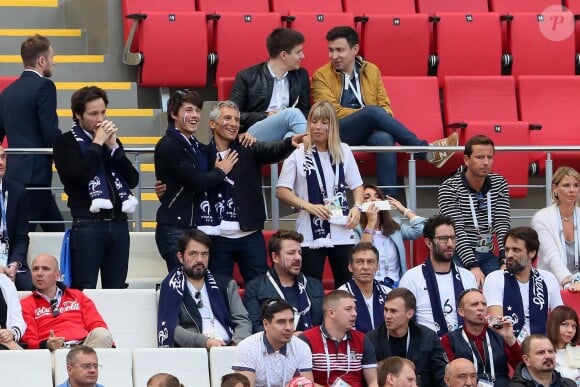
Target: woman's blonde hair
(558,176)
(323,110)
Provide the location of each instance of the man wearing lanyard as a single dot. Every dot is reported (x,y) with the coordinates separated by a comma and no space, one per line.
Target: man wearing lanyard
(478,202)
(400,336)
(491,350)
(273,357)
(13,229)
(285,280)
(355,88)
(341,356)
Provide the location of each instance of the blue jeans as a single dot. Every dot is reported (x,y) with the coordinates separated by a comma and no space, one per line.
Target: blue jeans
(488,262)
(386,163)
(99,245)
(167,238)
(285,123)
(249,252)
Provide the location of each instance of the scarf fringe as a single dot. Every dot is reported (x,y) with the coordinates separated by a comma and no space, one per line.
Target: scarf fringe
(99,204)
(321,243)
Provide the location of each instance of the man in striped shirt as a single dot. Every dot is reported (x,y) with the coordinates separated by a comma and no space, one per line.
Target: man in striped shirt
(478,202)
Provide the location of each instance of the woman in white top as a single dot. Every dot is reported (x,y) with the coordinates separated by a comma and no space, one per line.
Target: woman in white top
(387,233)
(314,180)
(562,329)
(558,228)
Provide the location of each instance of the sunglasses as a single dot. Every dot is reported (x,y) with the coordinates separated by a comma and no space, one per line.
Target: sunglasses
(198,301)
(54,307)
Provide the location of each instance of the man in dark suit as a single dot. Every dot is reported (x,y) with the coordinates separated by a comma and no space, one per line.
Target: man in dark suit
(28,118)
(13,229)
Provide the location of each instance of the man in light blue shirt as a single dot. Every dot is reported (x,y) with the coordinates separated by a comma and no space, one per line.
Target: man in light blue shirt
(82,366)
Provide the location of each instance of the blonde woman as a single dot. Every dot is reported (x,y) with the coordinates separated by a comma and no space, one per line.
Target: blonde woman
(558,228)
(314,180)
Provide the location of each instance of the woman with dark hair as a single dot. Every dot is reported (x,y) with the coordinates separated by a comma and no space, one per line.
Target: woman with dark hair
(562,329)
(387,233)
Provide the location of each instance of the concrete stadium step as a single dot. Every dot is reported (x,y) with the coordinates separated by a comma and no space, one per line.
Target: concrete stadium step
(121,94)
(64,41)
(131,122)
(38,13)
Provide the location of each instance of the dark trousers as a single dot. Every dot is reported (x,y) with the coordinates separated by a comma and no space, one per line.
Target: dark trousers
(99,245)
(249,252)
(42,207)
(23,279)
(313,263)
(167,238)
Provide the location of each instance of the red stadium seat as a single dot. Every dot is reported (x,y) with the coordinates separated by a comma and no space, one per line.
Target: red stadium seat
(435,6)
(287,7)
(237,275)
(232,28)
(373,7)
(468,44)
(487,105)
(397,43)
(511,6)
(552,102)
(179,30)
(574,7)
(314,26)
(218,6)
(542,44)
(5,81)
(224,87)
(571,299)
(407,94)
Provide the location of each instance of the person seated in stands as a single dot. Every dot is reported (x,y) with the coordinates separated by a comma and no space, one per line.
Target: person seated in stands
(438,282)
(12,325)
(558,228)
(355,88)
(14,239)
(273,357)
(57,316)
(522,293)
(564,334)
(353,361)
(181,163)
(235,379)
(163,379)
(386,233)
(368,292)
(82,367)
(400,335)
(196,307)
(315,179)
(285,280)
(274,96)
(460,373)
(396,372)
(489,342)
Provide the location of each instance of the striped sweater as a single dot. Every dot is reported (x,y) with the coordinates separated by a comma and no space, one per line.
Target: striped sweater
(453,199)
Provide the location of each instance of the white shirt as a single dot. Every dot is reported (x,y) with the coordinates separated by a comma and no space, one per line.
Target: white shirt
(414,280)
(210,326)
(564,369)
(494,285)
(280,92)
(293,177)
(369,301)
(389,265)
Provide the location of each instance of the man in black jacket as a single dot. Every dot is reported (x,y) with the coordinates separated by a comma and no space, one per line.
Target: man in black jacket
(274,96)
(238,201)
(285,280)
(400,336)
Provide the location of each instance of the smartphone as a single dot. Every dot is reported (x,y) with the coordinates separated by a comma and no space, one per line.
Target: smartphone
(382,205)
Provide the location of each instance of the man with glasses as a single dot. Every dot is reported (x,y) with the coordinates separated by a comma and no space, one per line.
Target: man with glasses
(438,282)
(196,307)
(274,357)
(57,316)
(460,373)
(490,343)
(478,202)
(82,367)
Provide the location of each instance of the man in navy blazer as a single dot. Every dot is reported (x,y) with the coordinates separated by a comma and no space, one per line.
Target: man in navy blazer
(28,118)
(13,229)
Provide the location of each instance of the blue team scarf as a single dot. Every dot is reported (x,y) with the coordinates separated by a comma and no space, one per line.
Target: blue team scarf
(205,217)
(316,194)
(223,200)
(304,303)
(513,305)
(363,317)
(172,294)
(435,298)
(98,187)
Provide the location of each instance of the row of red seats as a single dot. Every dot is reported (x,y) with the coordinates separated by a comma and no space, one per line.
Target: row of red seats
(358,7)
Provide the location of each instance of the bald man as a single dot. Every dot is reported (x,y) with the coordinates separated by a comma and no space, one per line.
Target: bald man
(163,380)
(57,316)
(461,373)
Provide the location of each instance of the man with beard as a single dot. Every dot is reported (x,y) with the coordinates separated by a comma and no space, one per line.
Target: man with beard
(285,280)
(478,202)
(538,366)
(341,355)
(438,282)
(491,347)
(28,118)
(196,307)
(522,293)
